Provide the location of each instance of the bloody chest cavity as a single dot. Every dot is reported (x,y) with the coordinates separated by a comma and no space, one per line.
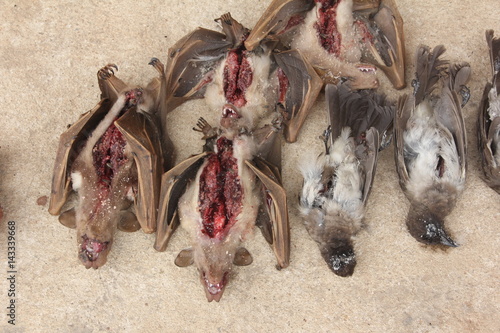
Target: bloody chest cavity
(221,193)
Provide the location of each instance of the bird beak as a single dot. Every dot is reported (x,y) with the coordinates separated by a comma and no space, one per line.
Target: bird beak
(445,239)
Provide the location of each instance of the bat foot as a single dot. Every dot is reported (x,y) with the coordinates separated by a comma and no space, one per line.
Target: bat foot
(158,65)
(204,127)
(107,71)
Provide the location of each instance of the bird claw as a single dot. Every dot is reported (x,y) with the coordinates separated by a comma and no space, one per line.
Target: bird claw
(325,137)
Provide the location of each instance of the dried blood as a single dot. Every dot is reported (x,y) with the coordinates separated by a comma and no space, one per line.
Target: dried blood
(109,155)
(92,247)
(283,85)
(326,26)
(238,77)
(221,193)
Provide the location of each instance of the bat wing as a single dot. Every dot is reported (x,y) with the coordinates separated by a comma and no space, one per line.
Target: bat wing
(385,43)
(144,139)
(302,85)
(70,144)
(191,63)
(280,16)
(173,184)
(275,200)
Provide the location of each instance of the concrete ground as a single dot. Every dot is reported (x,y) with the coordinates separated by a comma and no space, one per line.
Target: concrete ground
(50,52)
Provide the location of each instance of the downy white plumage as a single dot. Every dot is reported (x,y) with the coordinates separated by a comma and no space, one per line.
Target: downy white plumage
(337,184)
(431,144)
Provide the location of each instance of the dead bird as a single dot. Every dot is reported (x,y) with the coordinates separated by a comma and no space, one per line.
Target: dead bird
(324,31)
(112,157)
(431,145)
(337,184)
(380,29)
(218,67)
(216,196)
(489,118)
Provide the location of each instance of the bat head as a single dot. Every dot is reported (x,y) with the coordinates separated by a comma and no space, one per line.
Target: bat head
(234,118)
(214,261)
(93,252)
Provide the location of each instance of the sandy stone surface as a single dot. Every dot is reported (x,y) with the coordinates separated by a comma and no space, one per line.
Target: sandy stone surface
(49,54)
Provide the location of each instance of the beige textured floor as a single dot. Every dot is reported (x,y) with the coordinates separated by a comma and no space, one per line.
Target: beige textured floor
(50,53)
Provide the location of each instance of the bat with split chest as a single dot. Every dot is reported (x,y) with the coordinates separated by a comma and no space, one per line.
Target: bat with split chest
(112,157)
(220,195)
(324,32)
(218,67)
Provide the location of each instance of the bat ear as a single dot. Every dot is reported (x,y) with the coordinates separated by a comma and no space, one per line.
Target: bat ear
(128,222)
(242,257)
(68,218)
(184,258)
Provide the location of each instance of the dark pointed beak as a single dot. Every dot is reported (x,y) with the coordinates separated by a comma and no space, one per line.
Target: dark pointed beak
(445,239)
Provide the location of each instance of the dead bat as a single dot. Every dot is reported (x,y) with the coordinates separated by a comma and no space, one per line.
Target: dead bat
(323,31)
(383,38)
(489,119)
(337,183)
(431,145)
(216,196)
(218,67)
(112,157)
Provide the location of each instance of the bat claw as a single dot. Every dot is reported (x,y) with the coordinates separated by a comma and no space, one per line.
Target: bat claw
(107,71)
(158,65)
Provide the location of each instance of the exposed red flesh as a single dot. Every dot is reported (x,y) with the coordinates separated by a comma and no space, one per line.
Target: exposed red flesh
(283,85)
(91,248)
(326,26)
(238,77)
(109,155)
(221,194)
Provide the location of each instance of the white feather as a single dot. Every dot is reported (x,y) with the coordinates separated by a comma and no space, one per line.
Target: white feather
(426,140)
